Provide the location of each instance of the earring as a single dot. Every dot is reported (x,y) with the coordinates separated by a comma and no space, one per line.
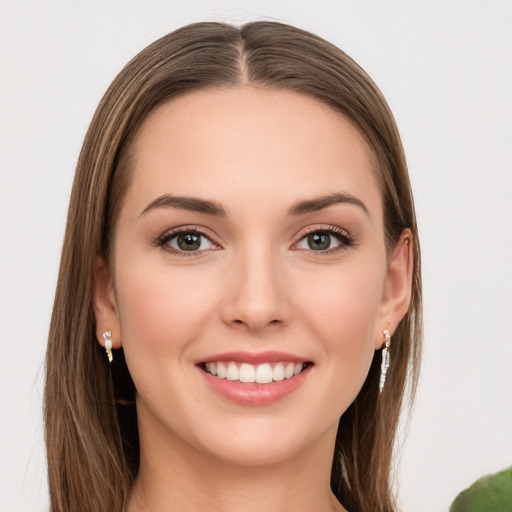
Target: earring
(108,345)
(385,359)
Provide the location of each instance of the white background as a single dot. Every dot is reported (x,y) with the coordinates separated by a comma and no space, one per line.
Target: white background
(446,70)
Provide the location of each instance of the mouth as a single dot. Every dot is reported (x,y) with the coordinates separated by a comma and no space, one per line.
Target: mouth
(263,373)
(255,379)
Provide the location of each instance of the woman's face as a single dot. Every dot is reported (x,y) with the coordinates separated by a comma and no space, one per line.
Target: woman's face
(250,244)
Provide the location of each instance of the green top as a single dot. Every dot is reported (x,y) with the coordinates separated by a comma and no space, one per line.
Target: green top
(492,493)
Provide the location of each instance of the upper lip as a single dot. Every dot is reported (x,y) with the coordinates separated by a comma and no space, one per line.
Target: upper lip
(269,356)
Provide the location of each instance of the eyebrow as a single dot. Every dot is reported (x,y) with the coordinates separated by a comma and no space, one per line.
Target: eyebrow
(195,204)
(319,203)
(192,204)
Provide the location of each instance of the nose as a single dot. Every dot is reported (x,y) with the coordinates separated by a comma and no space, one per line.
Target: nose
(255,292)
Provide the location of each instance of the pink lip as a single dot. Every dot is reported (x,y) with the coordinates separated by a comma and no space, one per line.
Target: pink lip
(270,356)
(255,394)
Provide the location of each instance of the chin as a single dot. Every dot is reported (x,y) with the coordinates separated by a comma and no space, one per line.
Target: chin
(263,442)
(256,452)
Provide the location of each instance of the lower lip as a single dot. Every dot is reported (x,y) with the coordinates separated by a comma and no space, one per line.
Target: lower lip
(255,394)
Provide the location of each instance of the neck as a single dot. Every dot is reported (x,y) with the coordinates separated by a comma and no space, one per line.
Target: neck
(175,476)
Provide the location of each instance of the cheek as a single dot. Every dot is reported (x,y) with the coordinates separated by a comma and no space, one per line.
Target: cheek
(162,309)
(343,310)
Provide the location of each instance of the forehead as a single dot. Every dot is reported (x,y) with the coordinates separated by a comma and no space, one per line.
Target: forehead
(251,142)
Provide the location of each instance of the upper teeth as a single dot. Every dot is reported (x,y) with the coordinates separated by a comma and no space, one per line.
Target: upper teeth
(260,373)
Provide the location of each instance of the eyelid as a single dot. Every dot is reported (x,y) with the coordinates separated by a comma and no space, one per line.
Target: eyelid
(323,227)
(345,238)
(165,237)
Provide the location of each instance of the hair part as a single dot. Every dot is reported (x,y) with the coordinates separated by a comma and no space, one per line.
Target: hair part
(90,417)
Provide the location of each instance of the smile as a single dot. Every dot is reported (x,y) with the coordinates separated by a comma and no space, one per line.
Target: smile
(255,379)
(264,373)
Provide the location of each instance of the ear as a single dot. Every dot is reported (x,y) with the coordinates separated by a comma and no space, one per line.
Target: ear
(104,304)
(396,295)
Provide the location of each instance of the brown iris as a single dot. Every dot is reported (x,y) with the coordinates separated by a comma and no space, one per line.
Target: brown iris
(319,241)
(189,242)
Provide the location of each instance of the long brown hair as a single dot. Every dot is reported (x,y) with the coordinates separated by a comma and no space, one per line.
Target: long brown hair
(90,416)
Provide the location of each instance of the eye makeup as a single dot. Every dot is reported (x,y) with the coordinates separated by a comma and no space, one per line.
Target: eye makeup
(186,241)
(192,240)
(318,239)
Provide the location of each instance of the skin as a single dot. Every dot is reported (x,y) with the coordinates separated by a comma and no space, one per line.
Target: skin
(257,285)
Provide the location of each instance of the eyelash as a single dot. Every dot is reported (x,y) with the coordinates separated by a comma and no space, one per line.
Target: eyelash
(164,240)
(345,239)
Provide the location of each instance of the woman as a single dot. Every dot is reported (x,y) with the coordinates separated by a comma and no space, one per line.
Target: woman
(240,269)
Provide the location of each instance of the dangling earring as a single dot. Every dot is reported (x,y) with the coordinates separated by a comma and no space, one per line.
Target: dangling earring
(108,345)
(385,360)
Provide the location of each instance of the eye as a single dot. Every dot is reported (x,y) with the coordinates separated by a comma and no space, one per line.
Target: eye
(324,240)
(186,241)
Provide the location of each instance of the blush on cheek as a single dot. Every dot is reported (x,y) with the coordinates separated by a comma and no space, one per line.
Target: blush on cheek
(345,308)
(344,322)
(159,306)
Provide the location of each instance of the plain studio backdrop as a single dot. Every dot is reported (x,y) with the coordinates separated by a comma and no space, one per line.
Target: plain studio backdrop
(446,70)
